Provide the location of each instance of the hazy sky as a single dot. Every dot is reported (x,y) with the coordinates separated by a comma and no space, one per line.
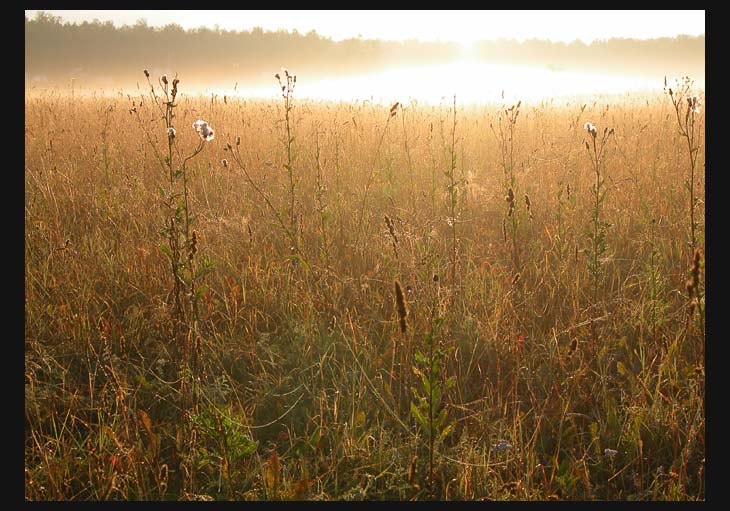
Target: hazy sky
(460,26)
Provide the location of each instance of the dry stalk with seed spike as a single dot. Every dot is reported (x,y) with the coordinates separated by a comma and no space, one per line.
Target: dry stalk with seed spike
(394,238)
(402,307)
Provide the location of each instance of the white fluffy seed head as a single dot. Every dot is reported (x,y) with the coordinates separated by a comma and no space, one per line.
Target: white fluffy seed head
(590,128)
(203,130)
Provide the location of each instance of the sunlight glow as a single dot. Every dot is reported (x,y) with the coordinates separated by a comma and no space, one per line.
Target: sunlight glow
(471,81)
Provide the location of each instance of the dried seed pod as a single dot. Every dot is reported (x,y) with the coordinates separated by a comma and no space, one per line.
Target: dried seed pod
(400,301)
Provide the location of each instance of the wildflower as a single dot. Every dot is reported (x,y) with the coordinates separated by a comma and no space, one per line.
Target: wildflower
(171,133)
(163,79)
(203,130)
(694,104)
(238,140)
(501,446)
(590,128)
(224,162)
(610,452)
(146,73)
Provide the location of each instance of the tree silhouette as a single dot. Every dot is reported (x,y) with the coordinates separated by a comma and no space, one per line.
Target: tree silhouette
(57,51)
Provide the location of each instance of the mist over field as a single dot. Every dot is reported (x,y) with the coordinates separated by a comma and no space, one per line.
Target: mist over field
(272,266)
(102,57)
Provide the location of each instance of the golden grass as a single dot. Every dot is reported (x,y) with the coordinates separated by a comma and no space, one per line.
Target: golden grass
(295,399)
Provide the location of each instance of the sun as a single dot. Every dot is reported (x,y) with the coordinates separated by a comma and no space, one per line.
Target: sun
(468,48)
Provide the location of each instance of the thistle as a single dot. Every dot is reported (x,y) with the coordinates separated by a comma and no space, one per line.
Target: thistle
(599,228)
(686,113)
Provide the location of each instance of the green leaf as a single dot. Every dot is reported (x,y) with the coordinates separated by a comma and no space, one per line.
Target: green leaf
(426,384)
(450,382)
(441,416)
(416,413)
(445,432)
(166,250)
(436,395)
(202,271)
(593,428)
(245,446)
(314,438)
(420,358)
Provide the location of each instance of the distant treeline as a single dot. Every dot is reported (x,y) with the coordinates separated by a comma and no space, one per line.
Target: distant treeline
(100,53)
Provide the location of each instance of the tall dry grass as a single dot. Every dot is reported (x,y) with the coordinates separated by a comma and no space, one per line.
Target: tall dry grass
(563,390)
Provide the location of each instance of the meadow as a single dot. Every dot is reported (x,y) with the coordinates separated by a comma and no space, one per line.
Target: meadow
(363,301)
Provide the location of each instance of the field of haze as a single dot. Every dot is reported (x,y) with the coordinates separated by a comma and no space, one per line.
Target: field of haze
(447,278)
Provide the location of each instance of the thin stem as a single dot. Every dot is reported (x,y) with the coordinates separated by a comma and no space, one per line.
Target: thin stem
(454,198)
(369,182)
(596,208)
(237,158)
